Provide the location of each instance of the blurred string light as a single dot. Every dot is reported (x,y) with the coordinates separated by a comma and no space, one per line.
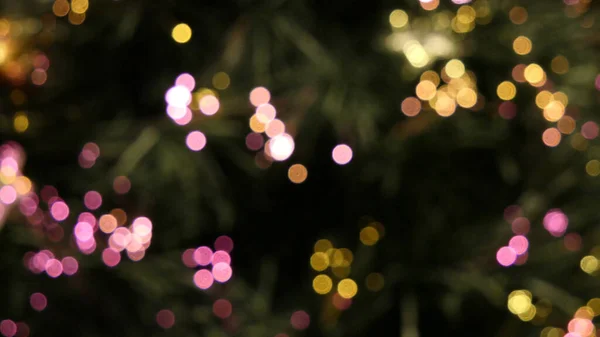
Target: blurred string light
(458,90)
(339,261)
(181,33)
(203,256)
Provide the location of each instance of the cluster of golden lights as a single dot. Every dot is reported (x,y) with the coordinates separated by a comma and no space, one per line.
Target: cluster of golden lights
(454,87)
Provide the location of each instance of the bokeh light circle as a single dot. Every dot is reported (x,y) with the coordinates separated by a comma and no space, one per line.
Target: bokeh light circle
(342,154)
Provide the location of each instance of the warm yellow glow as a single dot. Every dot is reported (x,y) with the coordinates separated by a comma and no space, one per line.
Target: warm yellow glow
(22,185)
(506,90)
(323,246)
(21,122)
(398,18)
(584,312)
(181,33)
(561,97)
(519,302)
(589,264)
(534,73)
(529,314)
(560,65)
(522,45)
(425,90)
(466,98)
(466,14)
(593,168)
(322,284)
(444,106)
(79,6)
(221,80)
(554,111)
(347,288)
(431,76)
(256,125)
(415,54)
(455,68)
(594,304)
(374,282)
(297,173)
(319,261)
(369,236)
(543,98)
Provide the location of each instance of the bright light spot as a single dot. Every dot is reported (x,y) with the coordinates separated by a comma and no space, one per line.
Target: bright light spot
(281,147)
(181,33)
(222,272)
(195,140)
(83,231)
(265,113)
(322,284)
(519,302)
(53,268)
(111,257)
(398,18)
(297,173)
(556,222)
(589,264)
(209,105)
(59,211)
(220,256)
(455,68)
(186,80)
(274,128)
(8,195)
(506,91)
(522,45)
(342,154)
(506,256)
(347,288)
(519,243)
(259,96)
(179,97)
(203,279)
(319,261)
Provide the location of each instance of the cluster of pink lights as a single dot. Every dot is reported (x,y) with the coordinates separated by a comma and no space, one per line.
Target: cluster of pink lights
(280,145)
(555,222)
(204,256)
(515,253)
(134,240)
(45,261)
(88,155)
(179,98)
